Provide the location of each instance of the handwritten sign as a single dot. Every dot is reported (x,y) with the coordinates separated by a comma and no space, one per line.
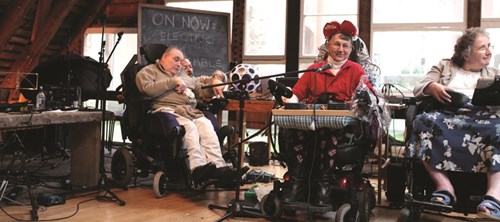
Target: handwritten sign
(202,36)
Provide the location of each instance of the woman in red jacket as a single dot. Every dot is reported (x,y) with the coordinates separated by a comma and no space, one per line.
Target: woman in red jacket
(336,83)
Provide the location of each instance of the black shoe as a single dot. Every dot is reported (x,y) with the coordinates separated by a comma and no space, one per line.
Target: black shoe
(229,177)
(202,173)
(219,172)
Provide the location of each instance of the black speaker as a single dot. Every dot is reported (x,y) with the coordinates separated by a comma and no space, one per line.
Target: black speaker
(259,154)
(396,176)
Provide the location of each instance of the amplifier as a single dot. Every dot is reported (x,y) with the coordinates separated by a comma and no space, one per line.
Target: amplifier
(58,96)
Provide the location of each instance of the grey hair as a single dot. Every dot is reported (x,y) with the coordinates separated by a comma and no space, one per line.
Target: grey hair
(463,47)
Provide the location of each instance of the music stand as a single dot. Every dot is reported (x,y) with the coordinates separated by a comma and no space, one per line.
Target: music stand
(236,207)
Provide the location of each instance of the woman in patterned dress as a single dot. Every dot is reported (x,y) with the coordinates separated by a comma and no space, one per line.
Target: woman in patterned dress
(463,139)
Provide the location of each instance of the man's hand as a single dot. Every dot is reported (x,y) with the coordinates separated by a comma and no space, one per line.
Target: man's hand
(437,91)
(181,86)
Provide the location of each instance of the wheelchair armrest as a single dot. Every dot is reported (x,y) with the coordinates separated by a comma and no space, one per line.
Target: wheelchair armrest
(216,105)
(179,131)
(411,113)
(164,124)
(138,99)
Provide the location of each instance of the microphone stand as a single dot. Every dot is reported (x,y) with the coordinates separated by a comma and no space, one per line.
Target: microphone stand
(70,73)
(104,180)
(244,81)
(236,208)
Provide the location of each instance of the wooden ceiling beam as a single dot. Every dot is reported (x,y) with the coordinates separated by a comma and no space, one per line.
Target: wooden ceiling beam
(12,19)
(41,16)
(28,60)
(96,8)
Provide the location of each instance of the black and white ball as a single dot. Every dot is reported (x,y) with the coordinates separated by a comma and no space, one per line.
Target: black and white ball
(245,72)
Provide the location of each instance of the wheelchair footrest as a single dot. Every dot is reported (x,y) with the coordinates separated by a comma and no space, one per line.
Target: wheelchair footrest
(207,183)
(306,206)
(428,205)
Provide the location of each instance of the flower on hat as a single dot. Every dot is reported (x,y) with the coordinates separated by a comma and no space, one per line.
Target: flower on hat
(333,27)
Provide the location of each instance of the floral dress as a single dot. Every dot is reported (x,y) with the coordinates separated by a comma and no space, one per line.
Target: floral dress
(466,140)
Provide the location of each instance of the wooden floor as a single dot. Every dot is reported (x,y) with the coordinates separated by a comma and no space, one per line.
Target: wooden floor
(141,205)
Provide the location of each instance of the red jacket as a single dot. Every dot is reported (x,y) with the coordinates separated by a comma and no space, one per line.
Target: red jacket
(312,84)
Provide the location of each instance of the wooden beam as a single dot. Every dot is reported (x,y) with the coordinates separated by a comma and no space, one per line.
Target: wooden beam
(41,15)
(12,19)
(292,35)
(238,30)
(473,13)
(27,61)
(365,21)
(95,9)
(29,58)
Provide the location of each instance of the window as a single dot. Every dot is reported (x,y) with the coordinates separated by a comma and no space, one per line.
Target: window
(125,49)
(409,37)
(265,28)
(264,36)
(216,6)
(315,14)
(404,57)
(421,11)
(490,9)
(491,21)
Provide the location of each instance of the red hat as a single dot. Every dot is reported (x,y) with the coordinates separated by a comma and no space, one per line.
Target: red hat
(333,27)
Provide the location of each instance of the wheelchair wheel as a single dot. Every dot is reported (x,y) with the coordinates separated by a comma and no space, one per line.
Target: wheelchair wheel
(407,214)
(342,213)
(160,184)
(404,215)
(270,205)
(365,206)
(122,168)
(365,203)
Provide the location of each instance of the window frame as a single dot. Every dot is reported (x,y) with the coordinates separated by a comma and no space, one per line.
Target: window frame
(413,27)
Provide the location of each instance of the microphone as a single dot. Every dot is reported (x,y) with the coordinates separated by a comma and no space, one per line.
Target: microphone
(120,35)
(278,90)
(326,66)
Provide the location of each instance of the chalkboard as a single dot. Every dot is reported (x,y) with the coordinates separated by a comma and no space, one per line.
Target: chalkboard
(202,36)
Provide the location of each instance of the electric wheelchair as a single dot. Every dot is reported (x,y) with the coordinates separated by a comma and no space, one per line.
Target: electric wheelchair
(353,196)
(419,185)
(156,138)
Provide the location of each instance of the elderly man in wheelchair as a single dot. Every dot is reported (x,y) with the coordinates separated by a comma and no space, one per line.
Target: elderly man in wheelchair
(171,94)
(170,116)
(452,135)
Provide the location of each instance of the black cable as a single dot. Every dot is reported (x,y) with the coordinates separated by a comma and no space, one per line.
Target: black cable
(55,219)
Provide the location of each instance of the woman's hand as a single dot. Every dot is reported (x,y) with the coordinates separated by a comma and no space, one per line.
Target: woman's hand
(438,91)
(218,89)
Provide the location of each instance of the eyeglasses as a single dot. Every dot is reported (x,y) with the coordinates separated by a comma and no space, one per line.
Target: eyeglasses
(484,48)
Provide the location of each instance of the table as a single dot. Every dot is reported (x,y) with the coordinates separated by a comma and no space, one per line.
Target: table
(252,108)
(84,141)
